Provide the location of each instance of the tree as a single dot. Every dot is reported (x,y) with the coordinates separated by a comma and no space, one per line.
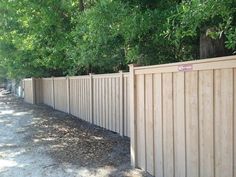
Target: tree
(73,37)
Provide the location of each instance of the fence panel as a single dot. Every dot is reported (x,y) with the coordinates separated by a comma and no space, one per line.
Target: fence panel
(80,97)
(184,118)
(47,92)
(60,93)
(99,99)
(29,90)
(107,101)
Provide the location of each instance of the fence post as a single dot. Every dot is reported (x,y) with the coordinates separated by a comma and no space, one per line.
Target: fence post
(68,94)
(91,97)
(121,104)
(53,96)
(132,117)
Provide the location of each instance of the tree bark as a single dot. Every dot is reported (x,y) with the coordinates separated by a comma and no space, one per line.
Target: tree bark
(212,47)
(81,5)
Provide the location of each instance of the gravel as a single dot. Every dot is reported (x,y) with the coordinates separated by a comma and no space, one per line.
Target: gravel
(36,140)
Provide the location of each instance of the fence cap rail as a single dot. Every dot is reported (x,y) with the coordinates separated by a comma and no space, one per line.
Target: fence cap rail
(203,64)
(198,61)
(79,77)
(59,78)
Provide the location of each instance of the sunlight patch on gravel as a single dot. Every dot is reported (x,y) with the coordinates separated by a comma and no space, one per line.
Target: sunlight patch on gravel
(6,164)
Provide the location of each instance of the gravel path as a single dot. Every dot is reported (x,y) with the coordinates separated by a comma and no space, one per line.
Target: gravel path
(39,142)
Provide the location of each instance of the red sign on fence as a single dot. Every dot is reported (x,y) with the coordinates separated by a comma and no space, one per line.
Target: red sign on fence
(187,67)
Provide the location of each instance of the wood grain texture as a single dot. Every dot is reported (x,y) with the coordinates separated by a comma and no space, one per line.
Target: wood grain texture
(141,138)
(223,122)
(179,123)
(192,124)
(206,123)
(158,125)
(168,125)
(149,123)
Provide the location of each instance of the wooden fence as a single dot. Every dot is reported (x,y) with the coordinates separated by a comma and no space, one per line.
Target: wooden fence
(183,118)
(29,89)
(99,99)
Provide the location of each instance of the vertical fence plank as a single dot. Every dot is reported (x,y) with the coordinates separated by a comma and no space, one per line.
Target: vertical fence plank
(149,123)
(234,163)
(95,101)
(179,123)
(125,107)
(80,97)
(206,120)
(53,94)
(168,126)
(91,101)
(68,94)
(103,102)
(117,120)
(106,102)
(121,104)
(192,124)
(223,122)
(158,125)
(133,126)
(141,139)
(110,103)
(114,105)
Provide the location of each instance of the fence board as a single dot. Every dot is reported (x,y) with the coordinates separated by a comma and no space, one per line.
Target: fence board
(206,119)
(149,123)
(158,125)
(223,123)
(192,123)
(179,123)
(234,165)
(168,127)
(141,140)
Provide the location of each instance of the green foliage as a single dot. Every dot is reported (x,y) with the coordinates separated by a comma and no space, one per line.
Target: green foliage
(58,37)
(213,17)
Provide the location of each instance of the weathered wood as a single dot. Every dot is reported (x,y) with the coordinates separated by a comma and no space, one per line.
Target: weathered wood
(149,123)
(168,125)
(133,126)
(206,123)
(158,125)
(192,123)
(140,116)
(223,122)
(179,123)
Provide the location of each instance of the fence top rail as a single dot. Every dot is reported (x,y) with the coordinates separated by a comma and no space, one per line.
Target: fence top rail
(203,64)
(27,79)
(47,78)
(59,78)
(79,77)
(110,75)
(126,74)
(106,75)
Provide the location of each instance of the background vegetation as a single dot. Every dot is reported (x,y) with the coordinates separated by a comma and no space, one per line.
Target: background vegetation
(71,37)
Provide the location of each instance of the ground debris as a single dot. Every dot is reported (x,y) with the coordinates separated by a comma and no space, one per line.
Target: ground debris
(71,143)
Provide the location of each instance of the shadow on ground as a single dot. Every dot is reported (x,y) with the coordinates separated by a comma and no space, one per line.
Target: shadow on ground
(69,140)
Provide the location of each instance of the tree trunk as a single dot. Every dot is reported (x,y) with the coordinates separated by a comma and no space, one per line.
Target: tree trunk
(81,5)
(212,47)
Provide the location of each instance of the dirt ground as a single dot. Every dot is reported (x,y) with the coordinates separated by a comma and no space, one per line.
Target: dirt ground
(38,141)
